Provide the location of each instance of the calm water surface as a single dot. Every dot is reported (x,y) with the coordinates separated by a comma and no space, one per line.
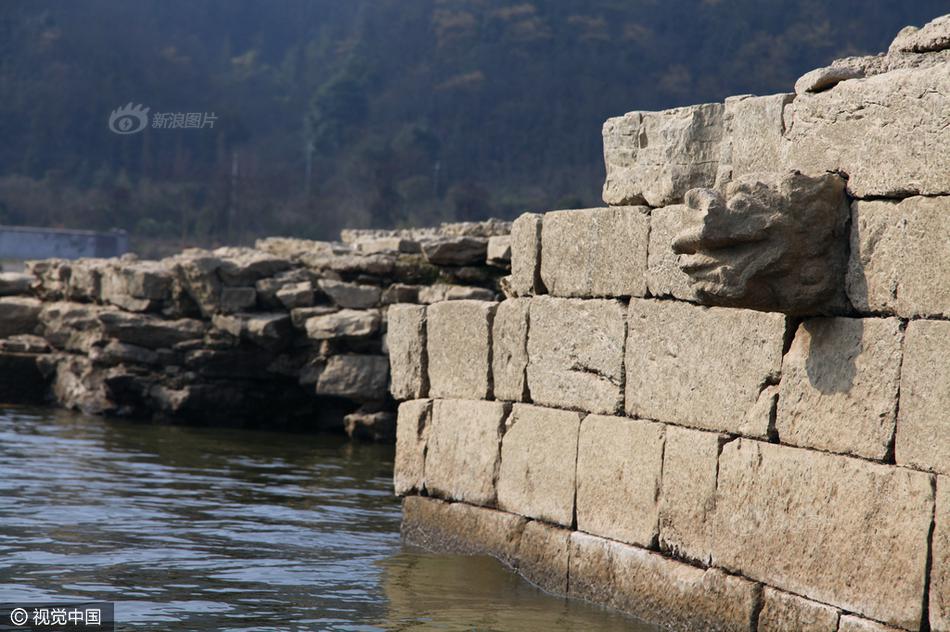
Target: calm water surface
(211,529)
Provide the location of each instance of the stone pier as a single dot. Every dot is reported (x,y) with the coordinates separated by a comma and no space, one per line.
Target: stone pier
(721,401)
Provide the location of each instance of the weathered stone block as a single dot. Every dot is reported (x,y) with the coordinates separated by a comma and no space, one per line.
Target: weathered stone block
(13,283)
(839,386)
(406,339)
(619,466)
(462,529)
(499,250)
(595,252)
(236,299)
(526,255)
(658,156)
(351,295)
(851,623)
(19,315)
(355,376)
(459,348)
(838,530)
(702,367)
(752,135)
(543,556)
(456,251)
(575,353)
(295,295)
(464,449)
(923,426)
(146,331)
(510,349)
(438,292)
(346,323)
(898,256)
(940,568)
(536,478)
(651,587)
(687,502)
(784,612)
(933,36)
(880,131)
(412,430)
(664,276)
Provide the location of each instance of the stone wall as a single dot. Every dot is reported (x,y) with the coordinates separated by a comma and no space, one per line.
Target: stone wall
(291,332)
(623,428)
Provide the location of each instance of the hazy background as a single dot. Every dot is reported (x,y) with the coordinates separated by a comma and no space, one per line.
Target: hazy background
(412,111)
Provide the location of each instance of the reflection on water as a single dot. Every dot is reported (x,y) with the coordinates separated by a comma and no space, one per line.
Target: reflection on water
(212,529)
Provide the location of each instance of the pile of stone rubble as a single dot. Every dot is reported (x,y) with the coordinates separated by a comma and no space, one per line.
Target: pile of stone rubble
(290,332)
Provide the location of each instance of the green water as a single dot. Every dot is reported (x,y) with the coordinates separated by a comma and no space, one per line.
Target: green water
(212,529)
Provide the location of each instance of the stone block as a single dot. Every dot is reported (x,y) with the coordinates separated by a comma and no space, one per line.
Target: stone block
(595,252)
(412,431)
(752,135)
(13,283)
(886,132)
(406,339)
(851,623)
(940,568)
(658,156)
(784,612)
(136,286)
(510,349)
(148,331)
(687,502)
(346,323)
(438,292)
(400,293)
(351,295)
(458,528)
(664,276)
(575,353)
(456,251)
(543,556)
(536,478)
(653,588)
(526,255)
(236,299)
(923,427)
(839,386)
(898,256)
(838,530)
(19,315)
(702,367)
(463,452)
(933,36)
(619,466)
(355,376)
(499,250)
(295,295)
(459,348)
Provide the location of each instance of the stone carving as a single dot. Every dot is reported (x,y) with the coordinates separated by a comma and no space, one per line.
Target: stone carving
(774,242)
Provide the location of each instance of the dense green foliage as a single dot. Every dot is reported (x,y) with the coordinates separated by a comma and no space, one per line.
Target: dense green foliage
(412,111)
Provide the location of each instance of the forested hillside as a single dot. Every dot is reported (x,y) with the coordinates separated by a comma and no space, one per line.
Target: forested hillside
(336,113)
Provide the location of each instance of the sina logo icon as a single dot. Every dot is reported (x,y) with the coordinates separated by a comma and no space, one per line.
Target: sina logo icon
(128,119)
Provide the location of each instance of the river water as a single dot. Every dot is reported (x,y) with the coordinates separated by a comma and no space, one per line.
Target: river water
(214,529)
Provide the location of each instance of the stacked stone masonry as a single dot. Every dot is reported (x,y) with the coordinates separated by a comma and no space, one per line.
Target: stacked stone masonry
(289,332)
(634,426)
